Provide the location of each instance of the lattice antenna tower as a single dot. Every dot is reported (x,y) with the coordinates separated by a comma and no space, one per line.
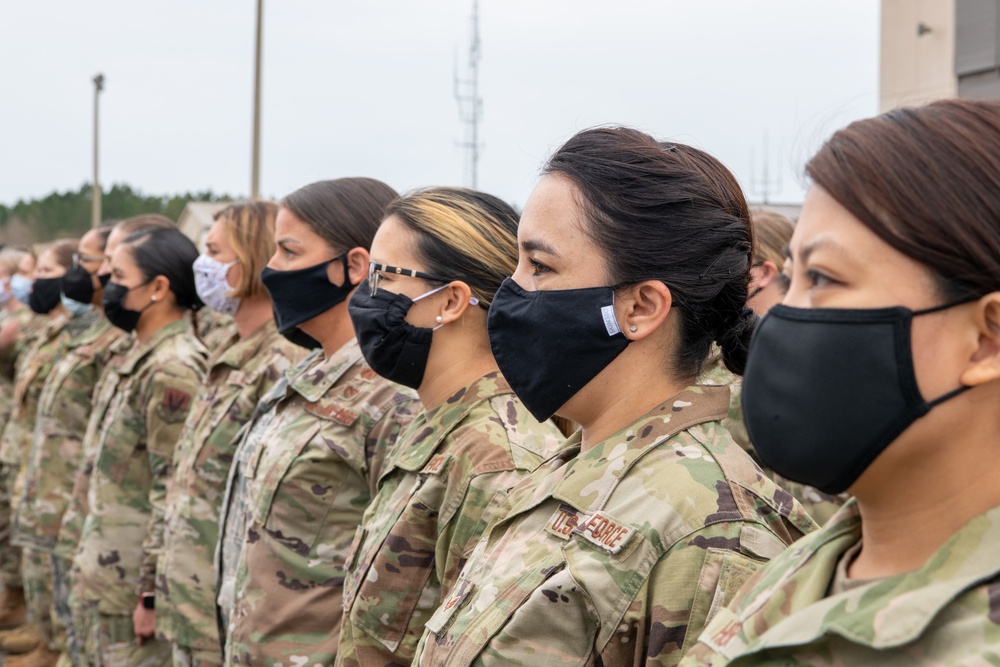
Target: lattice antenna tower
(470,104)
(766,186)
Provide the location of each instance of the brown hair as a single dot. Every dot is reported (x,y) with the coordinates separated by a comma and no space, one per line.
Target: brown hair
(344,212)
(463,235)
(144,221)
(672,213)
(11,256)
(926,180)
(771,231)
(62,250)
(250,231)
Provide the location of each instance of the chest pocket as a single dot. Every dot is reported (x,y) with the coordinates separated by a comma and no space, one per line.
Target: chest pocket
(269,481)
(531,610)
(391,596)
(231,409)
(122,432)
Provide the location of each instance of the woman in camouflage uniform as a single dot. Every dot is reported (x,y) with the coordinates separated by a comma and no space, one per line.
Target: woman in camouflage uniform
(241,371)
(150,292)
(883,366)
(64,407)
(33,368)
(474,437)
(634,258)
(308,460)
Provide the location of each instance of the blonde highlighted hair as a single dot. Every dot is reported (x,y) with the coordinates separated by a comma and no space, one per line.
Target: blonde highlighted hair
(249,229)
(12,256)
(464,235)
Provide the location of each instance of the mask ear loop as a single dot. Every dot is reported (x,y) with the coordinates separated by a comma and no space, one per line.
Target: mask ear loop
(473,301)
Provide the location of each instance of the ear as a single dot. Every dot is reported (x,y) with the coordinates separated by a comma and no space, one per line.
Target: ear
(984,366)
(645,306)
(357,267)
(159,288)
(459,300)
(763,275)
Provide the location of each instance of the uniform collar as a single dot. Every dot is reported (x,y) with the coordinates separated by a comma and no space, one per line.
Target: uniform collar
(428,431)
(888,613)
(240,351)
(139,352)
(311,380)
(592,477)
(95,329)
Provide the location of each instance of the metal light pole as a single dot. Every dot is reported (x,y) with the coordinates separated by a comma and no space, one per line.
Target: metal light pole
(95,215)
(255,176)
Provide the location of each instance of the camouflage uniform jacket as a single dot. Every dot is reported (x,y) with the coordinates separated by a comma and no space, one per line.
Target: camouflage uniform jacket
(820,506)
(57,448)
(77,507)
(185,579)
(215,330)
(33,367)
(116,559)
(945,614)
(427,516)
(617,556)
(316,446)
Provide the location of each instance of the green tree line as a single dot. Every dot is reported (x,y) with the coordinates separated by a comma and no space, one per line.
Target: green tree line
(67,214)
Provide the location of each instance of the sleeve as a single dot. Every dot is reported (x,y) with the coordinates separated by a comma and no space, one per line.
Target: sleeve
(171,395)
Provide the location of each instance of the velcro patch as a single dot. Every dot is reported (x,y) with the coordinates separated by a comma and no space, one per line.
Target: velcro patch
(605,532)
(174,405)
(459,594)
(563,522)
(330,410)
(437,463)
(237,378)
(598,529)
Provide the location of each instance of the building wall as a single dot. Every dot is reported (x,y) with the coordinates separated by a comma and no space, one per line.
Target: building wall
(977,53)
(917,68)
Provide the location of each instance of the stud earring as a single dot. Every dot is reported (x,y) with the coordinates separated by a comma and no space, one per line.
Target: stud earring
(153,297)
(438,319)
(633,328)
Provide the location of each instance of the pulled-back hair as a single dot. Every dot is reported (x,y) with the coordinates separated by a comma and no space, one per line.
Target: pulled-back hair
(926,180)
(463,235)
(673,213)
(772,232)
(344,212)
(62,251)
(249,229)
(162,251)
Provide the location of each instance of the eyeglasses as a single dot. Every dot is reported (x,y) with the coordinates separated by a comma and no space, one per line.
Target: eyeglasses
(80,257)
(375,270)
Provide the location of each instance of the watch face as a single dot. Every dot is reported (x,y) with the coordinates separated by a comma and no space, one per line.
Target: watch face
(148,602)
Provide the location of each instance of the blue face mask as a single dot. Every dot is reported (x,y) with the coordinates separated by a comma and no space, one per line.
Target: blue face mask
(20,287)
(75,308)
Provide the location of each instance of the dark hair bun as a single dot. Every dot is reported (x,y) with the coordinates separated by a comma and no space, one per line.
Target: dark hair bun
(735,341)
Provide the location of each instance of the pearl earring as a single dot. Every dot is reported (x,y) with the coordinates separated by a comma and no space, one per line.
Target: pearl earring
(438,319)
(633,328)
(153,297)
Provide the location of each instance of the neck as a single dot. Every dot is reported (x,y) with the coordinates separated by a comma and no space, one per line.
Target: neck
(451,367)
(903,524)
(631,385)
(58,311)
(333,329)
(155,319)
(13,305)
(252,314)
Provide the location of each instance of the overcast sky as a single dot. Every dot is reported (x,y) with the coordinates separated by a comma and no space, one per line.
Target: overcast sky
(366,88)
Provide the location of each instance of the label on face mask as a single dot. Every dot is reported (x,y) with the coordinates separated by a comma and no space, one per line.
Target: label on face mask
(610,322)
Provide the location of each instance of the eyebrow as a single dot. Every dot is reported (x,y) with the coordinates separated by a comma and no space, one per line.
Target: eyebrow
(540,246)
(821,243)
(288,241)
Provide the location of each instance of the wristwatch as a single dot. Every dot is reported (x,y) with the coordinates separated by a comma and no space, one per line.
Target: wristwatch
(148,600)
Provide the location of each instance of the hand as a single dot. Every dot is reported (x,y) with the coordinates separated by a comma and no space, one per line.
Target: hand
(143,623)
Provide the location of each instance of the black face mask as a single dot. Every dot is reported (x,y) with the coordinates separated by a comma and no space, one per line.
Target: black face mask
(298,336)
(827,390)
(120,316)
(104,279)
(302,294)
(44,295)
(394,348)
(550,343)
(78,285)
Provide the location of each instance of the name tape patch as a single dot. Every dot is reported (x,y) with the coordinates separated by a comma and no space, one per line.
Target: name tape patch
(598,529)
